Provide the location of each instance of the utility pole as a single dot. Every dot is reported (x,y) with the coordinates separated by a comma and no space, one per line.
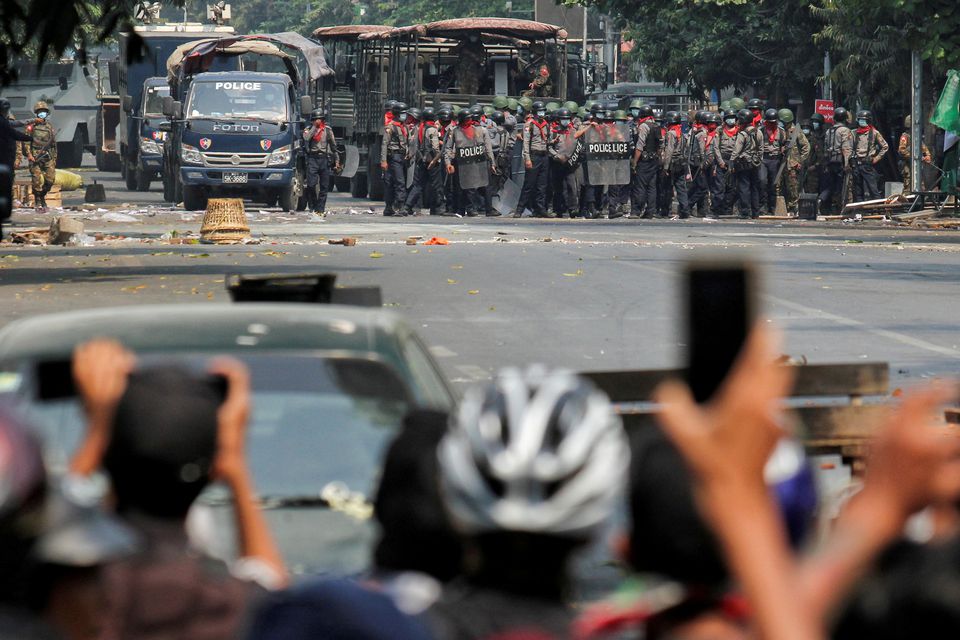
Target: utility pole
(827,83)
(916,115)
(584,33)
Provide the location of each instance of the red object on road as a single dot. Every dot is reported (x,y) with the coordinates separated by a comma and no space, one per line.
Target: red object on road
(825,108)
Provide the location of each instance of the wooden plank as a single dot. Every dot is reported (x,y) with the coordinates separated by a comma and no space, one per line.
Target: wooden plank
(863,379)
(841,423)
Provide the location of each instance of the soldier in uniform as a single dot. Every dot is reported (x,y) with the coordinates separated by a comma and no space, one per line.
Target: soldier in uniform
(744,162)
(798,154)
(698,187)
(427,174)
(471,63)
(567,177)
(646,162)
(711,128)
(674,165)
(774,142)
(393,161)
(723,189)
(869,148)
(42,155)
(817,163)
(321,148)
(536,135)
(468,133)
(837,150)
(905,149)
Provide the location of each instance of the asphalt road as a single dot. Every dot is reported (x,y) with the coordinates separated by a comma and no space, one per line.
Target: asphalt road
(580,294)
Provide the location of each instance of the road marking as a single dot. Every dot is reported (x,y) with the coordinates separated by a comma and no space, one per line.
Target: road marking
(473,372)
(441,351)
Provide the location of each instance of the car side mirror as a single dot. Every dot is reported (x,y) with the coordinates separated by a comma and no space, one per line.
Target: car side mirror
(127,103)
(164,126)
(306,105)
(167,106)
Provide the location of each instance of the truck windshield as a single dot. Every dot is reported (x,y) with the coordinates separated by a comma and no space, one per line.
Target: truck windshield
(238,99)
(153,100)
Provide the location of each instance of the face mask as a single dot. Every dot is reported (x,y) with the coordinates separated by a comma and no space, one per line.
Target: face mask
(806,131)
(541,114)
(43,115)
(816,125)
(635,113)
(730,122)
(862,122)
(564,123)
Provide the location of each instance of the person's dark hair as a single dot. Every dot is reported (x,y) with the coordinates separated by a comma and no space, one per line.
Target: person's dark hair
(528,564)
(416,534)
(668,536)
(163,441)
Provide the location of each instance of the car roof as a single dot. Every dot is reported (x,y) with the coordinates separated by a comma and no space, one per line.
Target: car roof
(204,327)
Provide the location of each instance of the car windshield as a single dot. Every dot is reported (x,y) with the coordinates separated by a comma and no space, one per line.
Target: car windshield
(153,99)
(319,425)
(238,99)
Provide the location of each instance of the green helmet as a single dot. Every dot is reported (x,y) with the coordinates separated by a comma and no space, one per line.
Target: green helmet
(582,113)
(488,110)
(621,115)
(785,116)
(588,104)
(456,109)
(526,103)
(724,106)
(636,103)
(500,103)
(571,105)
(512,105)
(553,106)
(737,104)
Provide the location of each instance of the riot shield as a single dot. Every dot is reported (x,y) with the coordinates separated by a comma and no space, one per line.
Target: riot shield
(566,147)
(509,197)
(607,153)
(351,161)
(470,155)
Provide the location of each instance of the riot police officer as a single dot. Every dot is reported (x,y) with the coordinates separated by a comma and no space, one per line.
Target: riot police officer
(837,151)
(723,189)
(393,161)
(427,157)
(42,154)
(674,165)
(696,150)
(869,148)
(465,153)
(774,142)
(646,163)
(744,161)
(536,135)
(321,148)
(566,170)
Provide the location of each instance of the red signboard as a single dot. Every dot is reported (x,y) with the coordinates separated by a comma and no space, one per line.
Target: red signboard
(825,108)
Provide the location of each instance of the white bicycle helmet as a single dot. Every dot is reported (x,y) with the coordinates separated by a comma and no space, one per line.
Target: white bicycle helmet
(535,451)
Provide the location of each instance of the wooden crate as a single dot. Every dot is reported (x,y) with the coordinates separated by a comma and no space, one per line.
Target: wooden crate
(23,191)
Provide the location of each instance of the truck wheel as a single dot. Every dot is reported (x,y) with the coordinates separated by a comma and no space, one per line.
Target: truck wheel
(167,189)
(129,176)
(177,190)
(291,197)
(358,185)
(142,179)
(194,198)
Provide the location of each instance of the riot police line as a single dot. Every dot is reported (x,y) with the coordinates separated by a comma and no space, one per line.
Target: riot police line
(521,157)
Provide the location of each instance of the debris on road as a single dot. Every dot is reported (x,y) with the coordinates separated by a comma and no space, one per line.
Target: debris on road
(437,241)
(30,236)
(346,242)
(63,228)
(68,180)
(224,222)
(96,192)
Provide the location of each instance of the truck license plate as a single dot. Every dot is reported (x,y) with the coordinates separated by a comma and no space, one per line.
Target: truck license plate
(235,178)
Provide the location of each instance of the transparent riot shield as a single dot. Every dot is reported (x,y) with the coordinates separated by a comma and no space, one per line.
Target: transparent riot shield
(565,146)
(607,153)
(509,197)
(470,156)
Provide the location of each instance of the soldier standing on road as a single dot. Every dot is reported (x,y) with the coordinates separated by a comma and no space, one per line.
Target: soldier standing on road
(393,161)
(42,155)
(427,173)
(869,148)
(774,142)
(471,63)
(536,134)
(469,134)
(723,187)
(321,148)
(798,154)
(904,149)
(646,162)
(817,163)
(675,164)
(837,149)
(697,156)
(711,129)
(562,143)
(743,161)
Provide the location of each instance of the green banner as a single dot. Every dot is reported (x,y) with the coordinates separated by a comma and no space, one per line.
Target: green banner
(947,113)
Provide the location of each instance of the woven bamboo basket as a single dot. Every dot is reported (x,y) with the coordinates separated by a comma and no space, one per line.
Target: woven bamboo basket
(224,222)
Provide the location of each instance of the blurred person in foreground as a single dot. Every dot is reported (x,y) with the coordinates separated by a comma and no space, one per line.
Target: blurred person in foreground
(417,553)
(162,435)
(530,472)
(726,445)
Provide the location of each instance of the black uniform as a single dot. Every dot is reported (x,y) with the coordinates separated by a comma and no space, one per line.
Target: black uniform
(428,171)
(643,184)
(393,152)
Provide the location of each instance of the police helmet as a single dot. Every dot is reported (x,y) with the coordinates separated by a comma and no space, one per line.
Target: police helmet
(512,105)
(414,113)
(645,111)
(621,116)
(744,116)
(724,106)
(526,103)
(318,114)
(770,115)
(636,104)
(476,110)
(455,110)
(500,102)
(839,115)
(588,105)
(673,117)
(41,106)
(497,117)
(713,118)
(389,105)
(582,113)
(737,103)
(444,115)
(865,115)
(398,107)
(698,117)
(571,106)
(538,106)
(463,116)
(488,110)
(730,113)
(805,126)
(596,107)
(608,115)
(785,116)
(817,117)
(755,104)
(563,112)
(552,106)
(447,106)
(429,114)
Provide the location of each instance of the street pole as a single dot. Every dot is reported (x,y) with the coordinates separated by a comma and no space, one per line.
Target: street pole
(827,83)
(916,130)
(584,33)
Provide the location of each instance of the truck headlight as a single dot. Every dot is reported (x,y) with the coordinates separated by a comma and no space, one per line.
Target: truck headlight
(190,154)
(279,157)
(149,146)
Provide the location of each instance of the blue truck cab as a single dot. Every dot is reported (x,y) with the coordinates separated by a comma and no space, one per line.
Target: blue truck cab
(145,144)
(238,134)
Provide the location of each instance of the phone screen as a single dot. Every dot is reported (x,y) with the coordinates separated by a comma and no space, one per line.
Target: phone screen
(719,313)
